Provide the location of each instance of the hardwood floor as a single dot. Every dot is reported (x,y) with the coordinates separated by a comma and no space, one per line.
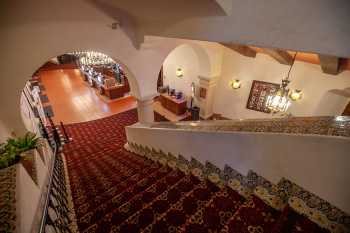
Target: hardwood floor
(74,101)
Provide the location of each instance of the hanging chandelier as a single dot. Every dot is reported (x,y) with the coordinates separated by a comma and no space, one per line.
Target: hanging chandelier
(279,102)
(92,58)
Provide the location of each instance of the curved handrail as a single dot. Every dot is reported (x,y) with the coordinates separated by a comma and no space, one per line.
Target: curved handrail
(322,125)
(47,198)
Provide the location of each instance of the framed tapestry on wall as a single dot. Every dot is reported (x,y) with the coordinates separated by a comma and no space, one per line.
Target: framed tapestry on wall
(258,95)
(202,92)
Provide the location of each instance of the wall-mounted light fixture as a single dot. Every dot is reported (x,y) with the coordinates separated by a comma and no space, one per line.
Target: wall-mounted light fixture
(179,72)
(296,95)
(235,84)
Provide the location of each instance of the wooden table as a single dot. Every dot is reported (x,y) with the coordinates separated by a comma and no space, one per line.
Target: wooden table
(163,114)
(176,106)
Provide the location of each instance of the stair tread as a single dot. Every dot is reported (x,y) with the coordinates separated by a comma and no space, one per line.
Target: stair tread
(215,214)
(89,194)
(292,222)
(177,214)
(113,191)
(113,204)
(254,215)
(159,205)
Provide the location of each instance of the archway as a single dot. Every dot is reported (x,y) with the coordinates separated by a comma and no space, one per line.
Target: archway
(179,83)
(77,86)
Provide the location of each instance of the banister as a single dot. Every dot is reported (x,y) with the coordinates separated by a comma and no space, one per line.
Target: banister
(322,125)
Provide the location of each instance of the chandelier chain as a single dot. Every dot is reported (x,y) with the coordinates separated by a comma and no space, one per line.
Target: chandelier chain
(290,68)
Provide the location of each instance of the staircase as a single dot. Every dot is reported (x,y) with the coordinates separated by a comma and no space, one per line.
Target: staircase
(146,190)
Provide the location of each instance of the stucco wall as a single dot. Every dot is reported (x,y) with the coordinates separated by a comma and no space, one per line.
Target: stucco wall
(320,26)
(305,76)
(185,58)
(271,155)
(34,32)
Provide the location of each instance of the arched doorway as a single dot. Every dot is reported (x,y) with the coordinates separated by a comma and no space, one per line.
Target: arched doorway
(181,82)
(76,87)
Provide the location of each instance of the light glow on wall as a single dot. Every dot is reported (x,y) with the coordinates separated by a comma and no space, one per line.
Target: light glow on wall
(296,95)
(235,84)
(179,72)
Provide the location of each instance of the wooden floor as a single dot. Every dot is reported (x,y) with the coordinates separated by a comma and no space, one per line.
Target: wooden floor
(74,101)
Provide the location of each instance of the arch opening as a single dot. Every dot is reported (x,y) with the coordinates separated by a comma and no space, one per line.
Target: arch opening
(178,83)
(75,87)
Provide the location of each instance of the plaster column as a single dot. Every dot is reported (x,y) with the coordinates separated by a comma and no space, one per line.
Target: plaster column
(205,95)
(145,109)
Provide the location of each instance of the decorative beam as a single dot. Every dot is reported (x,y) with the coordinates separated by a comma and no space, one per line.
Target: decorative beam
(329,64)
(281,56)
(241,49)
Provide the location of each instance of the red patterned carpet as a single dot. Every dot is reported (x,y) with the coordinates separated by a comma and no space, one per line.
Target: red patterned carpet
(117,191)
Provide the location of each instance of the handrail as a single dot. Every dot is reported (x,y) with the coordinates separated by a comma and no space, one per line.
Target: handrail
(55,142)
(46,204)
(25,95)
(64,131)
(323,125)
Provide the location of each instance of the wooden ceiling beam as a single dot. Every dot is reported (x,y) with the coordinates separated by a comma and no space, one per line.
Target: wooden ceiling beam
(329,64)
(241,49)
(281,56)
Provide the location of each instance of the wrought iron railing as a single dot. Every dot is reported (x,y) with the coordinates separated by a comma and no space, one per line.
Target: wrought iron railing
(56,212)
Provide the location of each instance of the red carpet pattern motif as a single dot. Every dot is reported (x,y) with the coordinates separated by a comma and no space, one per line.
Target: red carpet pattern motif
(115,190)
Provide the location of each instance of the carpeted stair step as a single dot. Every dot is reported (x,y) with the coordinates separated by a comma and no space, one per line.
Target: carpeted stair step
(104,156)
(100,183)
(115,174)
(146,215)
(123,197)
(215,214)
(113,221)
(113,191)
(253,216)
(105,162)
(187,205)
(292,222)
(85,205)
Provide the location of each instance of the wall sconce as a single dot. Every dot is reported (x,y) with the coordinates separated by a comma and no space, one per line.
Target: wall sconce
(296,95)
(179,72)
(235,84)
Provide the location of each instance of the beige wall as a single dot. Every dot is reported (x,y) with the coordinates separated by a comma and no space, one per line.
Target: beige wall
(320,26)
(313,26)
(271,155)
(305,76)
(36,31)
(185,58)
(29,195)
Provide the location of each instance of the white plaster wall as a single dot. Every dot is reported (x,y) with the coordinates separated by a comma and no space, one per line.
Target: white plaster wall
(320,26)
(185,58)
(335,102)
(35,31)
(305,76)
(29,195)
(271,155)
